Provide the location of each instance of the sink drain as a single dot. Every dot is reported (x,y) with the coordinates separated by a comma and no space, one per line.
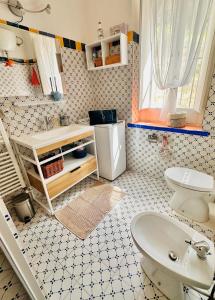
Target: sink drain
(173,256)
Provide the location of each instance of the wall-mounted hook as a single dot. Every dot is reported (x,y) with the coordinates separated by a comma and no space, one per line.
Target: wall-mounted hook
(19,41)
(153,138)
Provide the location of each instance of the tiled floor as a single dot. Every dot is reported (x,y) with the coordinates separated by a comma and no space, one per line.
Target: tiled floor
(105,265)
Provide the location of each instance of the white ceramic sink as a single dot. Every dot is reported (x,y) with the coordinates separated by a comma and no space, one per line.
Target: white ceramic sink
(54,133)
(42,139)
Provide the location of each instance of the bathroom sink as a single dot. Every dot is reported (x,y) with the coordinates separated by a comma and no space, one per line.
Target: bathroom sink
(47,137)
(54,133)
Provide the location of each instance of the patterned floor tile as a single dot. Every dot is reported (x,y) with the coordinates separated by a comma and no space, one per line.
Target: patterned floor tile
(77,293)
(193,295)
(106,265)
(77,261)
(58,283)
(44,266)
(96,277)
(63,245)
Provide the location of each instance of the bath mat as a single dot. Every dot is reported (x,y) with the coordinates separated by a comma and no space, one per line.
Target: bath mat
(85,212)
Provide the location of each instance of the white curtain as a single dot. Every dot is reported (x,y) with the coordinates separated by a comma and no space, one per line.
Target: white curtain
(172,33)
(45,51)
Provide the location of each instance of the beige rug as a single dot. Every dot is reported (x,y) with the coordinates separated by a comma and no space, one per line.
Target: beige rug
(83,214)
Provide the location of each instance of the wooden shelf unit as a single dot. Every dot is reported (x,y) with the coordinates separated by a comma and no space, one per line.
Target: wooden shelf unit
(104,45)
(75,169)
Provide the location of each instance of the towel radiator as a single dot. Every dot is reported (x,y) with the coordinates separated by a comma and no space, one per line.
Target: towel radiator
(11,178)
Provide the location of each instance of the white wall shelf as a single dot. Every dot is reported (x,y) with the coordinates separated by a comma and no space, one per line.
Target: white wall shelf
(36,103)
(105,47)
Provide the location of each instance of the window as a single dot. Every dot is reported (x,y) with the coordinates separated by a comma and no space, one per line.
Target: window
(191,96)
(188,95)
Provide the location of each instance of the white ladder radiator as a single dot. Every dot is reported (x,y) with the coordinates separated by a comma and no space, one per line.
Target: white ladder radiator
(11,178)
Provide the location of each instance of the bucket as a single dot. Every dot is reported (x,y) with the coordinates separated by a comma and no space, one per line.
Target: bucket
(23,207)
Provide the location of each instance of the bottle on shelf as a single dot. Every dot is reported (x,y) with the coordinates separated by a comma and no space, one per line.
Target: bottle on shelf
(100,31)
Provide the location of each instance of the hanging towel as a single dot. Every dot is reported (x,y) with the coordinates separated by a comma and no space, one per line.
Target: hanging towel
(34,78)
(45,51)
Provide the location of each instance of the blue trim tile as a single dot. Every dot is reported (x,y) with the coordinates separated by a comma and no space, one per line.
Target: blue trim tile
(31,61)
(47,34)
(19,60)
(136,37)
(3,59)
(72,44)
(66,42)
(170,129)
(23,27)
(83,46)
(12,24)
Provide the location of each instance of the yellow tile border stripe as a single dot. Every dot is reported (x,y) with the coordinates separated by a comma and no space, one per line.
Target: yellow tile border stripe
(60,39)
(130,36)
(78,46)
(33,30)
(3,21)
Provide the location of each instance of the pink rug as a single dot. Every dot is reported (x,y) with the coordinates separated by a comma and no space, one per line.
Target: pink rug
(82,215)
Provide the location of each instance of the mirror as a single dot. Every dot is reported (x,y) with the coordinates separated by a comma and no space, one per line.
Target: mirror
(30,64)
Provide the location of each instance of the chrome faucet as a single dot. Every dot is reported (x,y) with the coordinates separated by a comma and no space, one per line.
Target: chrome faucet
(202,248)
(48,123)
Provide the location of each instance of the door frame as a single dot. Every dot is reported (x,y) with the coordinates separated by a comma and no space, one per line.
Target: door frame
(13,250)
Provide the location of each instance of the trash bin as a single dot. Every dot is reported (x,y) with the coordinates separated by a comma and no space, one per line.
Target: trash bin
(23,207)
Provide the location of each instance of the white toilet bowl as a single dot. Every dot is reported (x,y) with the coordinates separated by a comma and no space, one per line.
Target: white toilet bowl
(193,191)
(157,237)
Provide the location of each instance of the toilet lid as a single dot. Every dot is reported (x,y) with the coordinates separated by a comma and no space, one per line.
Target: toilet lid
(190,179)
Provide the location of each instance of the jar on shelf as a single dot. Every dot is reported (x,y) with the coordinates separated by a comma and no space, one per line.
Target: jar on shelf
(177,120)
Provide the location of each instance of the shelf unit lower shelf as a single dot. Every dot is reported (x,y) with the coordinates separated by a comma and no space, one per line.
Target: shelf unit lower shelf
(74,171)
(70,164)
(107,66)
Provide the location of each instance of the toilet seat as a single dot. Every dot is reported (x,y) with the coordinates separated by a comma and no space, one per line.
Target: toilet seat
(190,179)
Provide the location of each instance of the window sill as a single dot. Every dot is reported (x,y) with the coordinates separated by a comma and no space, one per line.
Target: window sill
(185,130)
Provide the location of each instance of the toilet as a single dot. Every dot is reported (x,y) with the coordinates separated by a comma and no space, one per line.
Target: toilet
(193,191)
(167,259)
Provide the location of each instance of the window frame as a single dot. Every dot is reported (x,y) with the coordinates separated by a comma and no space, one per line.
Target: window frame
(196,114)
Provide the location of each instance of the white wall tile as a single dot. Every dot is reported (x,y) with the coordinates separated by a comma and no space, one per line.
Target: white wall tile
(115,88)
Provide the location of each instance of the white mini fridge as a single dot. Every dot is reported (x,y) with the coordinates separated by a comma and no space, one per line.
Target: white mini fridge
(110,144)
